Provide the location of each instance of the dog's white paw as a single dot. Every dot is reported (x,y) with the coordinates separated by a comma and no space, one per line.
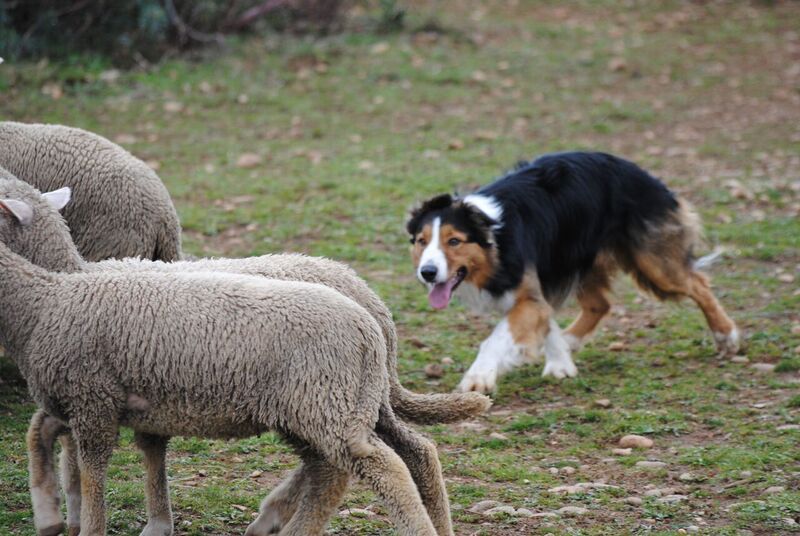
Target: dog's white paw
(479,382)
(573,342)
(728,344)
(560,369)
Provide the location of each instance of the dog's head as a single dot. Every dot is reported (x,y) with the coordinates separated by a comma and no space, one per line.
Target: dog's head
(453,241)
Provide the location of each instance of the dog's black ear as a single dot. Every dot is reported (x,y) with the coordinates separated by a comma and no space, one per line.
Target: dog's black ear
(435,203)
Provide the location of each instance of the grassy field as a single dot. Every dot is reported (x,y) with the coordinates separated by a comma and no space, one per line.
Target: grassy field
(343,134)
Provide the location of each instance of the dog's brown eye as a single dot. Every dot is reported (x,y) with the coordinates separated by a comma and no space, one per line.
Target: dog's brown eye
(421,241)
(453,242)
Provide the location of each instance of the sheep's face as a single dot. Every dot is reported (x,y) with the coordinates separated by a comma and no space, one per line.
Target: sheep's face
(21,206)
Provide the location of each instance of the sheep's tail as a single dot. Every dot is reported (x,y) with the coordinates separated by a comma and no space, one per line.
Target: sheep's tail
(707,261)
(436,408)
(168,242)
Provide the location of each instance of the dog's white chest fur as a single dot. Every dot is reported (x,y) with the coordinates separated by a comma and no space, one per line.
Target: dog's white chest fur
(482,302)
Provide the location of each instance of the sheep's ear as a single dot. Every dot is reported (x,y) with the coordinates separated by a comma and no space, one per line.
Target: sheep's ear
(19,209)
(58,199)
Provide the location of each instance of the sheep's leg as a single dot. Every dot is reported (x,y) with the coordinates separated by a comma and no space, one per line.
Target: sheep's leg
(384,471)
(95,446)
(422,459)
(280,505)
(71,482)
(159,511)
(323,486)
(46,499)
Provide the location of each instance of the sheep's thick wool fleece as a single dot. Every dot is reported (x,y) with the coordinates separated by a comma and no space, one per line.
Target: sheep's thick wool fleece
(120,207)
(212,355)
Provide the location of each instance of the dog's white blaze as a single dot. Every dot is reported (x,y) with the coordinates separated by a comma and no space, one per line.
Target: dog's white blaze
(488,205)
(433,254)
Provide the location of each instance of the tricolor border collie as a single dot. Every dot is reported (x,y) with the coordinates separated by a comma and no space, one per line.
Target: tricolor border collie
(563,224)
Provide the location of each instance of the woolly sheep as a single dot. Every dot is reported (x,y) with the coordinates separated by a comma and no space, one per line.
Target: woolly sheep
(211,355)
(47,242)
(100,173)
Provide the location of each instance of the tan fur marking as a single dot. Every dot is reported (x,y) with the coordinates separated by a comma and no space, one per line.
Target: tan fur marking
(478,262)
(593,297)
(417,248)
(529,318)
(700,291)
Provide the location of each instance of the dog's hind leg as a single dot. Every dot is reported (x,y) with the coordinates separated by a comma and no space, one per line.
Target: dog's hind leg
(669,277)
(592,296)
(422,459)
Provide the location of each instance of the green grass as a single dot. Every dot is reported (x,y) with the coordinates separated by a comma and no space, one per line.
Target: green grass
(354,128)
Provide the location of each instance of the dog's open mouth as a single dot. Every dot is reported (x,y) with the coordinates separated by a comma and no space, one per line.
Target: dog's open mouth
(440,293)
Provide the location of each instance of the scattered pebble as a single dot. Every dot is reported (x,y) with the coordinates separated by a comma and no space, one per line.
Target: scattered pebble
(692,528)
(636,441)
(633,501)
(482,506)
(572,511)
(623,452)
(545,514)
(745,474)
(447,361)
(763,367)
(523,512)
(567,470)
(660,492)
(581,487)
(434,370)
(248,160)
(785,427)
(616,346)
(671,499)
(774,489)
(789,521)
(651,464)
(498,436)
(740,359)
(356,512)
(602,403)
(691,477)
(254,474)
(786,278)
(503,509)
(553,470)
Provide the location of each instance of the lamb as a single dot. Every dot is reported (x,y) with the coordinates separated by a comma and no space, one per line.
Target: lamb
(46,242)
(258,352)
(100,173)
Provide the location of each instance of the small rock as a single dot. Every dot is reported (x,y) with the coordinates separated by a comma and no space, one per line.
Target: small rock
(255,474)
(740,359)
(785,427)
(660,492)
(173,106)
(111,75)
(651,464)
(773,489)
(602,403)
(455,145)
(633,501)
(240,507)
(498,436)
(622,452)
(692,528)
(545,514)
(581,487)
(636,441)
(567,470)
(523,512)
(745,474)
(572,511)
(763,367)
(482,506)
(447,361)
(356,512)
(434,370)
(786,278)
(788,521)
(553,470)
(248,160)
(672,499)
(691,477)
(503,509)
(616,346)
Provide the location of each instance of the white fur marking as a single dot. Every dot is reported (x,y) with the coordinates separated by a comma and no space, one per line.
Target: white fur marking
(498,354)
(703,263)
(481,301)
(728,343)
(488,205)
(433,254)
(58,199)
(558,361)
(573,342)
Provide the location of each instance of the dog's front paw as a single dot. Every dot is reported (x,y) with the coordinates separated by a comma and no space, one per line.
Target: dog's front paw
(573,342)
(479,382)
(560,369)
(728,344)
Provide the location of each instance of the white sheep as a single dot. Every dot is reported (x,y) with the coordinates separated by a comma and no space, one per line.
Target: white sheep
(210,355)
(47,242)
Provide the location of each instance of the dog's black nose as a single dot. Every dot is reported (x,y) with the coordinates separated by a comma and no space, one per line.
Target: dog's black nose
(428,273)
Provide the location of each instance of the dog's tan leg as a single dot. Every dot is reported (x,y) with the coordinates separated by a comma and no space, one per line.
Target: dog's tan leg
(592,296)
(45,496)
(159,511)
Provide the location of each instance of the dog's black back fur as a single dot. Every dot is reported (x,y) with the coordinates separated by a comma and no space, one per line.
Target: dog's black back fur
(562,209)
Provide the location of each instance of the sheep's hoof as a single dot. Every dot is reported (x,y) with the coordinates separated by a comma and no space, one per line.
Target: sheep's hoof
(52,530)
(74,531)
(157,528)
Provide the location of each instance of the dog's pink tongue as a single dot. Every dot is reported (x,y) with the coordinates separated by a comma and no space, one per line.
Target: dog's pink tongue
(439,296)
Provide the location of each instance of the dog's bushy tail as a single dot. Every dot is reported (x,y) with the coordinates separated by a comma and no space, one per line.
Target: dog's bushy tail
(437,408)
(707,261)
